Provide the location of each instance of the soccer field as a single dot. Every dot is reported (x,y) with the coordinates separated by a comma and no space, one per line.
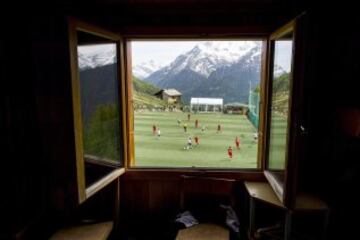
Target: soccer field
(168,149)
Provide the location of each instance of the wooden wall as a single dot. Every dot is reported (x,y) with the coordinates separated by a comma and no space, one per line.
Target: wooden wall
(152,192)
(39,172)
(330,167)
(151,199)
(22,195)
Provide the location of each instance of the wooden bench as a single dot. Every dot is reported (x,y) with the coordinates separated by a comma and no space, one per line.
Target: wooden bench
(204,231)
(94,231)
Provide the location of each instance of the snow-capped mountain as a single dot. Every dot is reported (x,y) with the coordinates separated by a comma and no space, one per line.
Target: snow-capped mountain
(94,56)
(143,70)
(210,66)
(206,57)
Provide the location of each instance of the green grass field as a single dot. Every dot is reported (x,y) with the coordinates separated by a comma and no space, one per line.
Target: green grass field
(168,150)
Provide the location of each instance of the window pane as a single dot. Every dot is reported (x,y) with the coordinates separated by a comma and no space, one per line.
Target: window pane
(99,99)
(196,103)
(280,103)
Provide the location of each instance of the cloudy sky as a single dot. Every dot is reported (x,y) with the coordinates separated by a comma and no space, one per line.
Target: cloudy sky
(162,52)
(283,52)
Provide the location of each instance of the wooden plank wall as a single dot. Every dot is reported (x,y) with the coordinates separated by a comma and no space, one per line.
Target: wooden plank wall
(149,195)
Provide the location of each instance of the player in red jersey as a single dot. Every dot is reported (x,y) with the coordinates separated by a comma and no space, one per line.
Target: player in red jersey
(237,142)
(196,123)
(197,140)
(230,153)
(154,129)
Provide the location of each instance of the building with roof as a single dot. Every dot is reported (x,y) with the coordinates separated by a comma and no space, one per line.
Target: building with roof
(236,108)
(171,95)
(206,104)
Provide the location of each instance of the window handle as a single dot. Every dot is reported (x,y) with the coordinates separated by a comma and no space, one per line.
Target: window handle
(303,130)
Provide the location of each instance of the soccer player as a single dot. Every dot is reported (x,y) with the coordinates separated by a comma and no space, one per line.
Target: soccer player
(154,129)
(196,123)
(189,143)
(197,140)
(188,116)
(230,152)
(158,133)
(203,127)
(185,127)
(218,128)
(178,122)
(237,142)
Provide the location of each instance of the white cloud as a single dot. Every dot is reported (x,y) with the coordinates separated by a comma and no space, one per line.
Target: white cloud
(162,52)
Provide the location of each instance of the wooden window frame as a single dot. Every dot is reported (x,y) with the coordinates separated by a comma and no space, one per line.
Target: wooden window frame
(84,192)
(283,31)
(261,153)
(126,103)
(293,139)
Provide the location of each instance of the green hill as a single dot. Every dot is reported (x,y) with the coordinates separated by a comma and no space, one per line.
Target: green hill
(281,83)
(143,95)
(280,97)
(143,87)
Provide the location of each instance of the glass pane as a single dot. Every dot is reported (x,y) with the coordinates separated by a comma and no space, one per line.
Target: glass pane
(196,103)
(97,62)
(280,103)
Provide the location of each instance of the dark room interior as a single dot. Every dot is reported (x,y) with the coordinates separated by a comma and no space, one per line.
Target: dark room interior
(45,192)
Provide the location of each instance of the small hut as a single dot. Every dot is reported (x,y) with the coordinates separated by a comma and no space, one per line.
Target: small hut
(236,108)
(172,96)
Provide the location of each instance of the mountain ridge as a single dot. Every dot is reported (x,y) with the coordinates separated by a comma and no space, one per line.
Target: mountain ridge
(144,69)
(204,72)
